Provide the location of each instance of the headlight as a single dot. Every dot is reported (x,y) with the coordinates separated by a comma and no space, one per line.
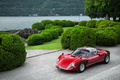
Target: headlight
(71,65)
(57,60)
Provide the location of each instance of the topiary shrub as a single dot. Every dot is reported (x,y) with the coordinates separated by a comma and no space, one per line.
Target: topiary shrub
(107,23)
(68,23)
(12,51)
(53,32)
(82,23)
(115,29)
(77,37)
(48,26)
(64,23)
(59,29)
(38,26)
(98,22)
(47,36)
(45,22)
(65,39)
(106,38)
(91,23)
(82,36)
(35,39)
(59,23)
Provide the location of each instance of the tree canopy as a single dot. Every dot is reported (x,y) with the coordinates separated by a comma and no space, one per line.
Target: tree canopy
(102,8)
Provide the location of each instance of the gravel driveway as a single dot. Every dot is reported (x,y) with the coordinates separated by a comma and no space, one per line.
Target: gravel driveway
(40,65)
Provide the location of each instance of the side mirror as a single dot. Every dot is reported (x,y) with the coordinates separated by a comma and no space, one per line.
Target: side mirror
(62,53)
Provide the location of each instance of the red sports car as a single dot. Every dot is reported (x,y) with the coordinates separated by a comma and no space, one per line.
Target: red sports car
(81,58)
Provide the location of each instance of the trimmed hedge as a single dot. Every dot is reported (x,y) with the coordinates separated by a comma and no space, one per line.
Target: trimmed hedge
(12,51)
(65,38)
(47,36)
(98,22)
(91,23)
(64,23)
(59,29)
(115,29)
(59,23)
(35,39)
(45,22)
(106,38)
(44,36)
(53,32)
(107,23)
(38,26)
(68,23)
(48,26)
(77,37)
(82,23)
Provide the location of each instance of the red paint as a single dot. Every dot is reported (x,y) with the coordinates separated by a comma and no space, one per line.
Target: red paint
(66,59)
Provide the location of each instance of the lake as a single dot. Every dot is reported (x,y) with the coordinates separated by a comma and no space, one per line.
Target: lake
(9,23)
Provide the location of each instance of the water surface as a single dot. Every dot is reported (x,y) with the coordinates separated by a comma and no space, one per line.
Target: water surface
(9,23)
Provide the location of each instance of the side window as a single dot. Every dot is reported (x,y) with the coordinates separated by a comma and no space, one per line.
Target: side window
(93,53)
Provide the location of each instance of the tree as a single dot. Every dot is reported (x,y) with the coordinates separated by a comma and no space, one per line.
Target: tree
(103,8)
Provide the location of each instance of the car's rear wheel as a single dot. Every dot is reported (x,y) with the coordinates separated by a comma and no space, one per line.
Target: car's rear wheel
(81,67)
(107,59)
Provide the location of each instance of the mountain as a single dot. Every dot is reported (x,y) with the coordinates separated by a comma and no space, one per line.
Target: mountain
(41,7)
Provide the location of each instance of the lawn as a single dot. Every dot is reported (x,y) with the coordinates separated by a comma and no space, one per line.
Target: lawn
(54,44)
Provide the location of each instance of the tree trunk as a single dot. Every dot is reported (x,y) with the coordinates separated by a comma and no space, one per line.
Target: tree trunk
(119,19)
(114,18)
(107,16)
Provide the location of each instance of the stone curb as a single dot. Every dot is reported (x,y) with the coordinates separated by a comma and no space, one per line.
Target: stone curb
(42,54)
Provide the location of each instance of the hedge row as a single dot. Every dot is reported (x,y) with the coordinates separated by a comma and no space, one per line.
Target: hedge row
(51,32)
(12,51)
(78,36)
(98,24)
(63,23)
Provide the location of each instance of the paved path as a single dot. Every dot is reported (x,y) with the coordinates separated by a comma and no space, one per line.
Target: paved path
(41,66)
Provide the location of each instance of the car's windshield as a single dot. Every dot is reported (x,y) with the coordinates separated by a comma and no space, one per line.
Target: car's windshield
(81,52)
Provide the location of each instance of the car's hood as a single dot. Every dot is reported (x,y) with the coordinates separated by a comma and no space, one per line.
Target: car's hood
(67,60)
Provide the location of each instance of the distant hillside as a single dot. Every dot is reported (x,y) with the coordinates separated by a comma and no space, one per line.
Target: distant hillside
(41,7)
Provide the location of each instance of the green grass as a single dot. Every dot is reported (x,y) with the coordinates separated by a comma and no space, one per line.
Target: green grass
(66,28)
(54,44)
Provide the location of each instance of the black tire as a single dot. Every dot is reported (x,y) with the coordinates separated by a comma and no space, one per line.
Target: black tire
(81,67)
(107,59)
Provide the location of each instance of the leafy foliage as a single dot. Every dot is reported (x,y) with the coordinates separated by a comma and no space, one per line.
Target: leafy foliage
(102,8)
(38,26)
(77,37)
(35,39)
(45,36)
(106,23)
(98,22)
(64,23)
(82,23)
(12,51)
(91,23)
(106,38)
(65,39)
(45,22)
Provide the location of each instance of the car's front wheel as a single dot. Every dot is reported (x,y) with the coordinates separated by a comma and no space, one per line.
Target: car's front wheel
(107,59)
(81,67)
